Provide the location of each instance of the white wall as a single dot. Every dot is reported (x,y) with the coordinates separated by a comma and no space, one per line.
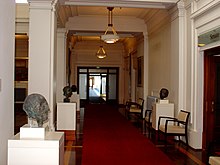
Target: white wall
(7,26)
(160,61)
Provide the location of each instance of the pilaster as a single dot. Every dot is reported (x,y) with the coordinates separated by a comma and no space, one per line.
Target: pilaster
(146,59)
(146,70)
(61,63)
(42,36)
(178,28)
(182,56)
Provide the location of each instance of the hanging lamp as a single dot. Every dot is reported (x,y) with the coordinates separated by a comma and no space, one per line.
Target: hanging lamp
(101,53)
(111,37)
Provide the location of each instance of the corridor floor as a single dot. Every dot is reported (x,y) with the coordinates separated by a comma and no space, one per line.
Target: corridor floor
(176,151)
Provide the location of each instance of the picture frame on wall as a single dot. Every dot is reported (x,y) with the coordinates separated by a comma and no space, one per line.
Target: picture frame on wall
(140,71)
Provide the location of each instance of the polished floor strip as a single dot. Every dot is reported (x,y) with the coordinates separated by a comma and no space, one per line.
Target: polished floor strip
(67,154)
(191,156)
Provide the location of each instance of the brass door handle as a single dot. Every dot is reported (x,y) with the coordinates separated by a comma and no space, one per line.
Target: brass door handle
(213,103)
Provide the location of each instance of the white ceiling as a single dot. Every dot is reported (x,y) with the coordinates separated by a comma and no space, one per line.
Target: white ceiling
(136,8)
(133,8)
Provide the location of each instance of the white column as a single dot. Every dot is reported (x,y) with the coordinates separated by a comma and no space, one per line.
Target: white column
(7,40)
(178,57)
(41,71)
(146,55)
(182,55)
(61,63)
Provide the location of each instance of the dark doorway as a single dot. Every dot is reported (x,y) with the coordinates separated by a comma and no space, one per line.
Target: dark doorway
(98,85)
(211,117)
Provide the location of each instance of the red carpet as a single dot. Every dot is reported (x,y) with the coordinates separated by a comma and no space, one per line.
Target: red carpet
(110,139)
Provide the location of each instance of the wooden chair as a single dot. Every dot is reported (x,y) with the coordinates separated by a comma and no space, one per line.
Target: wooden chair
(135,108)
(174,126)
(148,121)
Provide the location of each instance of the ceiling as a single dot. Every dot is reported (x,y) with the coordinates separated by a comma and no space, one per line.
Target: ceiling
(139,9)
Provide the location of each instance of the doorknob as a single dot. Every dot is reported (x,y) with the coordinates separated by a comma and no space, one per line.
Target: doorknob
(213,103)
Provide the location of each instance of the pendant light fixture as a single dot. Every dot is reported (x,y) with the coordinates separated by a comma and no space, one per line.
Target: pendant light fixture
(111,37)
(101,53)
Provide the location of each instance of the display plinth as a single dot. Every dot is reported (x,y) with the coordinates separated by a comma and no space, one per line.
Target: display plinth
(163,101)
(66,116)
(27,132)
(161,110)
(48,151)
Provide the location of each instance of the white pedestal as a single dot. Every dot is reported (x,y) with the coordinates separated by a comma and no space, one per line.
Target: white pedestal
(66,116)
(163,101)
(161,110)
(49,151)
(27,132)
(75,99)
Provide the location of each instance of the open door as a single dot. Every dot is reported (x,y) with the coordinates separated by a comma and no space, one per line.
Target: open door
(98,85)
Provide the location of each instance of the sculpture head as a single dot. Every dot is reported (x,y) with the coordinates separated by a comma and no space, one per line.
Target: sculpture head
(67,92)
(37,108)
(164,93)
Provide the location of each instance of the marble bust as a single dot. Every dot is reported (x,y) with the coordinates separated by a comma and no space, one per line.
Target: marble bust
(36,108)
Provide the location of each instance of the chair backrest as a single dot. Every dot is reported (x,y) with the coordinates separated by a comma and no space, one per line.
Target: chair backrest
(183,117)
(140,101)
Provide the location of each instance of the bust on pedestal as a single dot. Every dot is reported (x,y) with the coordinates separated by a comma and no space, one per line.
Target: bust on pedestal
(35,144)
(162,108)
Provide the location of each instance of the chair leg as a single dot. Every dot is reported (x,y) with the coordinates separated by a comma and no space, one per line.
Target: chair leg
(186,140)
(144,126)
(149,131)
(158,135)
(165,142)
(128,115)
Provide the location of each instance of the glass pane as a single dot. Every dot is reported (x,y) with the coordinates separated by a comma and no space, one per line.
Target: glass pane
(83,70)
(94,74)
(82,85)
(97,70)
(112,70)
(103,88)
(94,86)
(112,86)
(103,91)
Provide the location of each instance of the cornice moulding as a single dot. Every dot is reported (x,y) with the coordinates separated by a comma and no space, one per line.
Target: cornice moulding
(204,9)
(46,5)
(128,3)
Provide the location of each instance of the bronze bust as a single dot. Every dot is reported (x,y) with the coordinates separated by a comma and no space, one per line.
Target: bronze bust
(164,93)
(37,108)
(67,92)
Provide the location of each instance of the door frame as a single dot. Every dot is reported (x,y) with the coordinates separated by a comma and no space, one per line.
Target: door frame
(107,79)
